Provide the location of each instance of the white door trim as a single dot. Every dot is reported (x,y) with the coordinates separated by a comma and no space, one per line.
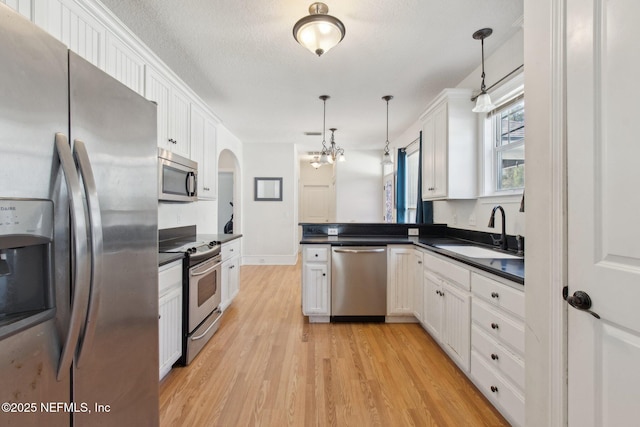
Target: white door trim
(545,194)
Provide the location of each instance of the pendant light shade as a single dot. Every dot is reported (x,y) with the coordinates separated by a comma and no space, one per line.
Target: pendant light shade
(483,104)
(386,157)
(483,100)
(319,32)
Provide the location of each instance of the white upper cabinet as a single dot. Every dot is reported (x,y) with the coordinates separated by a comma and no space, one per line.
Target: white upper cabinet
(125,64)
(449,147)
(173,112)
(23,7)
(73,26)
(203,151)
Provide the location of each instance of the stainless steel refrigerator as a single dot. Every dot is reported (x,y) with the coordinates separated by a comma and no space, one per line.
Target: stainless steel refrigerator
(78,239)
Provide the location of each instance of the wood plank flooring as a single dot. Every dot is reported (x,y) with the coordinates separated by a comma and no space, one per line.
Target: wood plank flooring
(267,366)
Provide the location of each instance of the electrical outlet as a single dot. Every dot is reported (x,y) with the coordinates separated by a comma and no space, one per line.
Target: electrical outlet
(332,231)
(413,231)
(472,219)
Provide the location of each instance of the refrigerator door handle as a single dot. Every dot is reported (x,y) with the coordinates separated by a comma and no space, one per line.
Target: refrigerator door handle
(95,235)
(80,259)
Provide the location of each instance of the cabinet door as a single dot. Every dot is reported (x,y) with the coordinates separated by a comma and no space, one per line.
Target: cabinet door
(432,304)
(428,157)
(440,149)
(418,287)
(197,143)
(124,64)
(73,26)
(158,90)
(456,330)
(179,109)
(234,277)
(203,151)
(400,281)
(170,329)
(209,170)
(23,7)
(315,292)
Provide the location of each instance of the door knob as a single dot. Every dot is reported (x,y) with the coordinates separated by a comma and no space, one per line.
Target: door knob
(580,300)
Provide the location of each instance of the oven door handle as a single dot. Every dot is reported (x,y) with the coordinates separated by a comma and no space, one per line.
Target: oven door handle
(202,335)
(206,271)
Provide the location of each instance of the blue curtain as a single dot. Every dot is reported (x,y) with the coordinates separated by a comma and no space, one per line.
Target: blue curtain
(424,210)
(401,179)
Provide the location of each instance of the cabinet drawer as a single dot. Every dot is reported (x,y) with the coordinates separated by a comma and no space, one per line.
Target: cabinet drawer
(498,294)
(453,273)
(316,254)
(498,326)
(495,355)
(497,390)
(169,277)
(230,249)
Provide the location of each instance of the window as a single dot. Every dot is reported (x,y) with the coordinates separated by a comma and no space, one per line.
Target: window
(508,145)
(503,129)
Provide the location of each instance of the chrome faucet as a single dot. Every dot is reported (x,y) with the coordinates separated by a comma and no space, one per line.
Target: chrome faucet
(492,223)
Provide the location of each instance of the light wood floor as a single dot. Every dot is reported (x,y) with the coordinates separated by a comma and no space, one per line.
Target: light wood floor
(268,366)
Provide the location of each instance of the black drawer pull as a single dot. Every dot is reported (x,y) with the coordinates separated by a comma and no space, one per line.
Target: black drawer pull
(494,356)
(494,295)
(494,389)
(494,326)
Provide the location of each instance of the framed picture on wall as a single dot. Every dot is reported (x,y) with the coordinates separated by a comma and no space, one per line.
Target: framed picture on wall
(267,189)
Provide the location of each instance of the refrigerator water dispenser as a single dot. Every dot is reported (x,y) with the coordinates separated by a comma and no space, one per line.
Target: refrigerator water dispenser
(26,234)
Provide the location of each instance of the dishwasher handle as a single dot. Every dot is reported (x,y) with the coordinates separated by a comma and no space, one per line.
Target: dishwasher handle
(359,251)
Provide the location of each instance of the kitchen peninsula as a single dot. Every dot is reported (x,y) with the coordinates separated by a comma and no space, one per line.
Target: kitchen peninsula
(467,294)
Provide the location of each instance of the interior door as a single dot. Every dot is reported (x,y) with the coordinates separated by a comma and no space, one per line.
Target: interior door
(603,65)
(315,203)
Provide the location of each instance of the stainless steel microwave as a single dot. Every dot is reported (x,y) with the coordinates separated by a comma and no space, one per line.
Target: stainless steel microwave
(177,177)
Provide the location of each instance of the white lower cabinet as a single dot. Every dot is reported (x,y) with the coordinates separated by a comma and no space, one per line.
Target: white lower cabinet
(478,320)
(400,279)
(169,315)
(497,356)
(417,299)
(230,272)
(316,282)
(447,302)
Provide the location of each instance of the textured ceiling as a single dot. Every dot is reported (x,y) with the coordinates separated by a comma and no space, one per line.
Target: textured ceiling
(241,58)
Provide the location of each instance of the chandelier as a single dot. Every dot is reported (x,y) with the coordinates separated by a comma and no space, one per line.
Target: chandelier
(319,31)
(330,154)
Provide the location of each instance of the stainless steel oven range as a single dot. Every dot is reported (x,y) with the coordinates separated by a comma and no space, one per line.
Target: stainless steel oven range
(201,287)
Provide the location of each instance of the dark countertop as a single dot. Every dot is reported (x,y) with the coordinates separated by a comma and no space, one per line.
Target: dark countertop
(166,258)
(511,269)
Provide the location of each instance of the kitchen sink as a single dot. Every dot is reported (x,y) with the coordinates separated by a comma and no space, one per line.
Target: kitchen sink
(476,252)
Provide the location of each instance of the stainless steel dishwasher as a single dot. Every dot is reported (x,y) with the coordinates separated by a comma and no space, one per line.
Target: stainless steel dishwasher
(358,283)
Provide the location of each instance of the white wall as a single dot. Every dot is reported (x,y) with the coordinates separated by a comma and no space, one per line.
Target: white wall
(270,228)
(359,187)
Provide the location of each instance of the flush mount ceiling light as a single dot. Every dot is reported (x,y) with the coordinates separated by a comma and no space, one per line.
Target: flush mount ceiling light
(483,101)
(319,31)
(386,157)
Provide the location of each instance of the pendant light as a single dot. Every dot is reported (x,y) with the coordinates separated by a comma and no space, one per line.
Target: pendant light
(483,101)
(319,32)
(386,157)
